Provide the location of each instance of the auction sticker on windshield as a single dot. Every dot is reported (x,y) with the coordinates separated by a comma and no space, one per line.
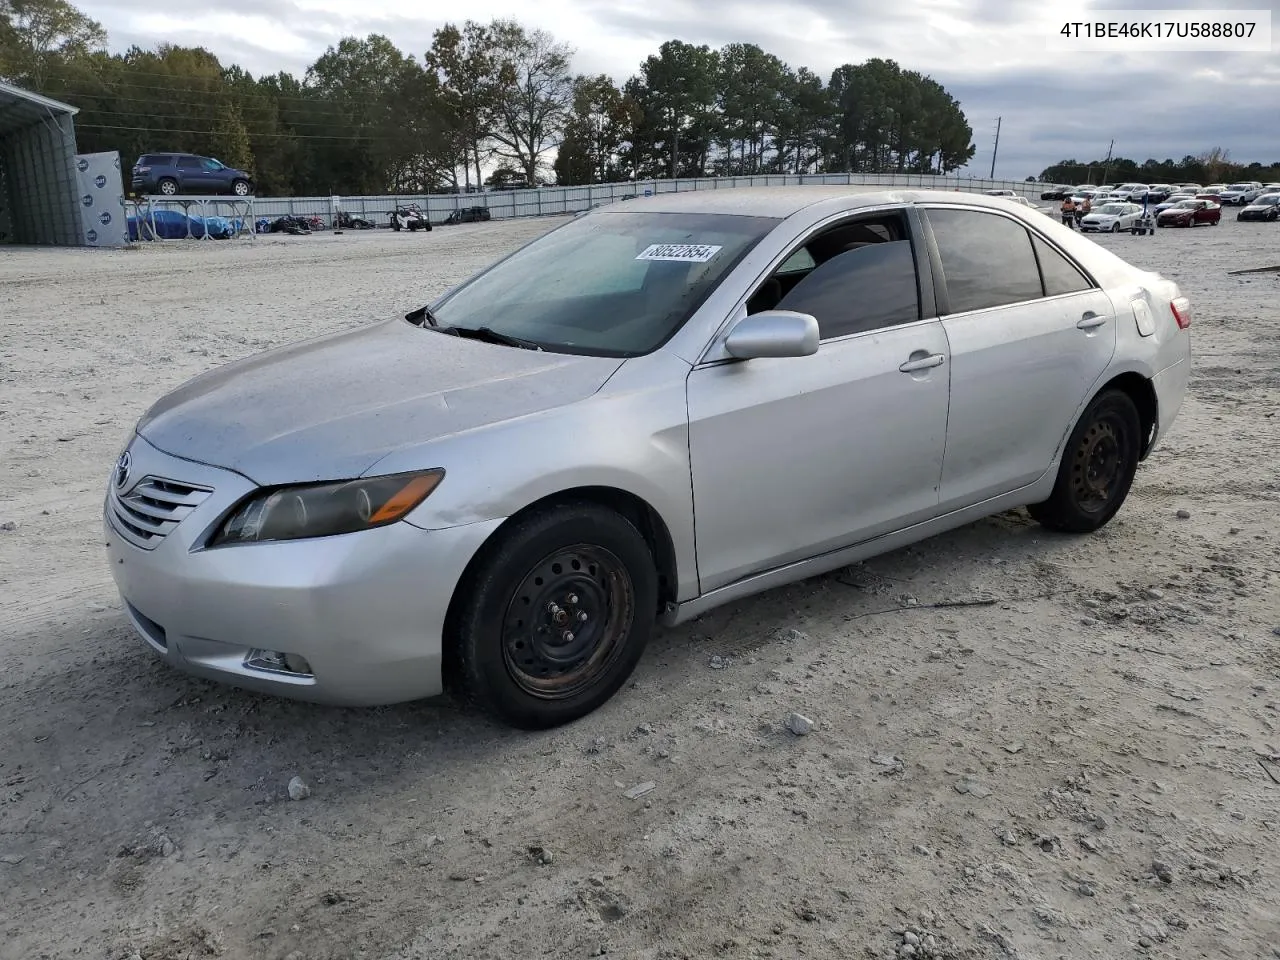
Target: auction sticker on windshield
(682,252)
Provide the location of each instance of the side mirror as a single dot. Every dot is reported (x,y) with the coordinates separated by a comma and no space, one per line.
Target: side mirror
(773,333)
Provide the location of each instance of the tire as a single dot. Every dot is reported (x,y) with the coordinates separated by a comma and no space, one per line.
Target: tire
(240,188)
(167,187)
(1110,431)
(570,561)
(1115,227)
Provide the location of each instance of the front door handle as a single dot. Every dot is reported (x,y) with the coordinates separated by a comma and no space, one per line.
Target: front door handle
(923,363)
(1090,320)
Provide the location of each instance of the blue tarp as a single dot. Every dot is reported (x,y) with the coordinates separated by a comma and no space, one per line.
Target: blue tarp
(172,225)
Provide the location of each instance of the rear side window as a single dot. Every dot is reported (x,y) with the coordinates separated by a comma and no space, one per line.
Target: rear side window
(987,259)
(189,163)
(156,160)
(1060,274)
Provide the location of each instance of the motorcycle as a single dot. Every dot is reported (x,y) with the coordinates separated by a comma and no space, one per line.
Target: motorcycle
(409,218)
(295,226)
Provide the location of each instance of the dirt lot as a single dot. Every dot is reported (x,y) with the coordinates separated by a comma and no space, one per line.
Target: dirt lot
(1087,767)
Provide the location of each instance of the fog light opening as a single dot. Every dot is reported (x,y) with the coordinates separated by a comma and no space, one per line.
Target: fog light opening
(274,661)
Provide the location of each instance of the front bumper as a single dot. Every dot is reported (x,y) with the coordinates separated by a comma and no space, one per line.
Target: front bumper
(365,610)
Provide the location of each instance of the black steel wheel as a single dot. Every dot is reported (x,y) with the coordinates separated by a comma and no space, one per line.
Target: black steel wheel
(552,615)
(563,625)
(1098,466)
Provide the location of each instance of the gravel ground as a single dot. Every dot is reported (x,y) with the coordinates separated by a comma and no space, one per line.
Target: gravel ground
(1087,767)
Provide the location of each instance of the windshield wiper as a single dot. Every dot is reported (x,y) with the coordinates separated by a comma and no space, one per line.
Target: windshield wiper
(490,335)
(422,313)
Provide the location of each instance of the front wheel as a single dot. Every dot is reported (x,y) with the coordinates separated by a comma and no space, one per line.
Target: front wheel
(240,188)
(1097,469)
(554,615)
(1115,227)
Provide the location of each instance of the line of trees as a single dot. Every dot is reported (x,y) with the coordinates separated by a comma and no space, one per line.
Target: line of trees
(488,102)
(1211,166)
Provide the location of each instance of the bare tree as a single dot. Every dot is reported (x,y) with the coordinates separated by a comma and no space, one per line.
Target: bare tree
(535,94)
(1217,164)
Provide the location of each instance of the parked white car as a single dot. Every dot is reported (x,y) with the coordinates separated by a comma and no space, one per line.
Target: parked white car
(1112,217)
(1024,202)
(1241,194)
(1132,192)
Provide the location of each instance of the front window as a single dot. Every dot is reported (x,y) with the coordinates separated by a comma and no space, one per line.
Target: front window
(607,284)
(212,165)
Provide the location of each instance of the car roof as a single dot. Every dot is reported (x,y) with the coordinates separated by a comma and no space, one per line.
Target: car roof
(782,202)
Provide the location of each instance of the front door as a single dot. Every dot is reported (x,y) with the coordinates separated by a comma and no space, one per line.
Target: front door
(793,457)
(1028,343)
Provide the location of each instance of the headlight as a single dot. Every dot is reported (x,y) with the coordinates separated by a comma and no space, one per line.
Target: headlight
(326,509)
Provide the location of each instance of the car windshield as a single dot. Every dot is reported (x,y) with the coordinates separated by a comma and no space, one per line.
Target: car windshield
(1113,209)
(1191,204)
(607,284)
(1270,200)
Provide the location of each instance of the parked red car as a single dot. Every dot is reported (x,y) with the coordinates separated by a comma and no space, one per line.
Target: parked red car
(1190,213)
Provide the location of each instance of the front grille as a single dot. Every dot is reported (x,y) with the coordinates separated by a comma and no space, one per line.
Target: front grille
(152,508)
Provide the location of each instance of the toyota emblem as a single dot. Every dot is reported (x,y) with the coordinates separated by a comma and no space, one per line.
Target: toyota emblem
(122,468)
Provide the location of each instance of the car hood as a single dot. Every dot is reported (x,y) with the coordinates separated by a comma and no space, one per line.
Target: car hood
(332,407)
(1260,206)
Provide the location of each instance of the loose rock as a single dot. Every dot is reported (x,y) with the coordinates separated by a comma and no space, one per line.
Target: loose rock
(298,789)
(639,790)
(799,724)
(1183,514)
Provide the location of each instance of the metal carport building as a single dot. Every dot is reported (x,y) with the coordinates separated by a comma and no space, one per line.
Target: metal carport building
(39,192)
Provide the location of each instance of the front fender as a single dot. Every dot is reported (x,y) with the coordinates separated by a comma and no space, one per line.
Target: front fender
(632,436)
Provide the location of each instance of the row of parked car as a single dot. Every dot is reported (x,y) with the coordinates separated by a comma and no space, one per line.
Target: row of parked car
(1228,194)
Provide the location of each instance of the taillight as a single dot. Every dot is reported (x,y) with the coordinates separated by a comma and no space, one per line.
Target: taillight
(1181,308)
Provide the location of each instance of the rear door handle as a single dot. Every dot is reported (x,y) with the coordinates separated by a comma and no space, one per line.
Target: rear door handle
(923,363)
(1090,320)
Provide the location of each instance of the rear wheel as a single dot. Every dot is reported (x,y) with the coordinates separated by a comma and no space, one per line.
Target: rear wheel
(168,186)
(554,616)
(1098,466)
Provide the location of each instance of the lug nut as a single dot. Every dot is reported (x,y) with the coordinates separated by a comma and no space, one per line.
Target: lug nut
(582,616)
(572,598)
(567,636)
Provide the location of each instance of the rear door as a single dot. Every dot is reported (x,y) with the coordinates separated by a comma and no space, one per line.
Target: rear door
(1029,334)
(190,174)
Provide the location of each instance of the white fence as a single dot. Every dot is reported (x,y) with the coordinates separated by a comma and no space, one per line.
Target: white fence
(546,201)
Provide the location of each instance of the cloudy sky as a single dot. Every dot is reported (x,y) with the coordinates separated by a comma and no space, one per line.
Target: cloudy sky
(993,55)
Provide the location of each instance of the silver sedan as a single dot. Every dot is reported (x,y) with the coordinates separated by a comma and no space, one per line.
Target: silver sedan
(656,408)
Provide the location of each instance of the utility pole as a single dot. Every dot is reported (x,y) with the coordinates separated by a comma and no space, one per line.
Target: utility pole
(996,149)
(1107,164)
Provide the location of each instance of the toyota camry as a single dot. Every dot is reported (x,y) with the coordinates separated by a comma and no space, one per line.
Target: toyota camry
(653,409)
